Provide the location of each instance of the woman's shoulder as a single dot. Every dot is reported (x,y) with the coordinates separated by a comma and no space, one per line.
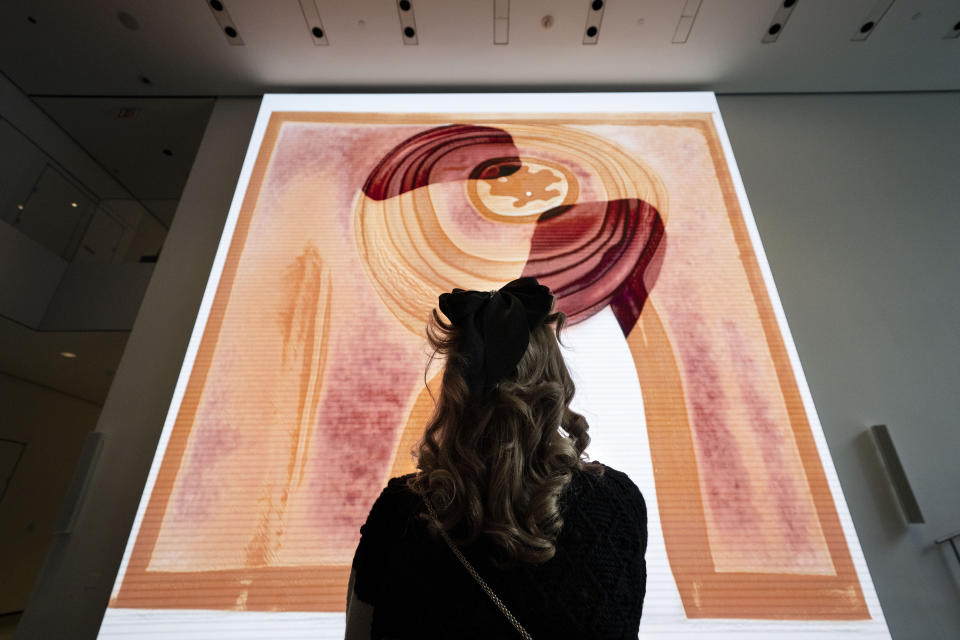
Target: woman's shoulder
(399,485)
(609,489)
(392,508)
(619,481)
(602,486)
(397,495)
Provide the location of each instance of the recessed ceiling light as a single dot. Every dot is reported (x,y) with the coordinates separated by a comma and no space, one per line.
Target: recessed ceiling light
(20,207)
(314,24)
(868,25)
(68,354)
(225,22)
(408,22)
(73,204)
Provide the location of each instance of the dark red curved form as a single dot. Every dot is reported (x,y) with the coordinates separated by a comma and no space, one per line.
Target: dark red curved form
(597,253)
(590,254)
(443,154)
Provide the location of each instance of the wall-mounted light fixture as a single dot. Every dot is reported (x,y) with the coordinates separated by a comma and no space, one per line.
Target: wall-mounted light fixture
(895,474)
(953,539)
(954,31)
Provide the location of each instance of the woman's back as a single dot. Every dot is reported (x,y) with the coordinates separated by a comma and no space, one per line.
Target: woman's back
(592,588)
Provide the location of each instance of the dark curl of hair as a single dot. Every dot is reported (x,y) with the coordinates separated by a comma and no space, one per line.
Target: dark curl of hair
(495,467)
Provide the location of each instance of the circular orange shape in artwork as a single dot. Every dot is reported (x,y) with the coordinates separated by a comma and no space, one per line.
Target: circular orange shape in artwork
(527,192)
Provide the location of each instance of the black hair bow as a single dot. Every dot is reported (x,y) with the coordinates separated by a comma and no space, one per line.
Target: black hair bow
(496,327)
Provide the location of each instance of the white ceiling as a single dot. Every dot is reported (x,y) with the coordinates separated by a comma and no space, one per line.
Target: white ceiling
(81,48)
(148,144)
(35,356)
(86,70)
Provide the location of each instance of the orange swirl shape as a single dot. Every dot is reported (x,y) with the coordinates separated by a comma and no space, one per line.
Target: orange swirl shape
(419,233)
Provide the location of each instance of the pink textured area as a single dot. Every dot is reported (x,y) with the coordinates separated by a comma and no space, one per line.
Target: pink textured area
(215,438)
(723,471)
(760,515)
(254,486)
(786,489)
(364,405)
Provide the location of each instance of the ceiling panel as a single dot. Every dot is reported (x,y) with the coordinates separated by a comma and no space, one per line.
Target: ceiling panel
(84,48)
(148,144)
(35,356)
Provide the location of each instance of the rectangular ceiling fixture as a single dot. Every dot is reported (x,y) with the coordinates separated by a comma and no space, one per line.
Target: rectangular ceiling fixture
(312,16)
(869,24)
(591,33)
(501,21)
(779,22)
(408,23)
(227,26)
(687,17)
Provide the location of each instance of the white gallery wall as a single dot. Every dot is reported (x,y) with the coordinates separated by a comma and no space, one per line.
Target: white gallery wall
(855,200)
(855,197)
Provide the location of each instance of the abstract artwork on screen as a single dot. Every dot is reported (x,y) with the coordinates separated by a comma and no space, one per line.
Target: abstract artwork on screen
(307,393)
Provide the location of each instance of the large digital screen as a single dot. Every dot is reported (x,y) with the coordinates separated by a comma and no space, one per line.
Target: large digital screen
(304,386)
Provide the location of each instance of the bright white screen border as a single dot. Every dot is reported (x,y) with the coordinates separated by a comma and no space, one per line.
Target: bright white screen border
(184,624)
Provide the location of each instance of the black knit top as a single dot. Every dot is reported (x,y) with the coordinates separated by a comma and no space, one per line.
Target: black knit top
(592,588)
